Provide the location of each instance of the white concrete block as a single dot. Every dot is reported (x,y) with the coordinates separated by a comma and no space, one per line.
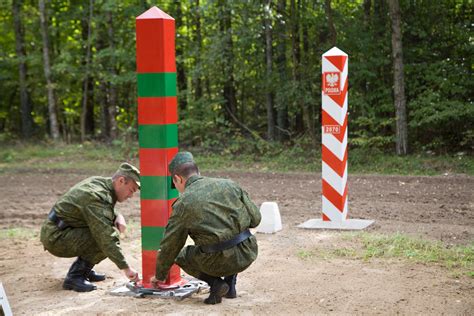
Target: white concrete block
(271,219)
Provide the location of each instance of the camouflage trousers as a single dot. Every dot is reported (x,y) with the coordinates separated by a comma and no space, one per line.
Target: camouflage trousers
(225,263)
(70,242)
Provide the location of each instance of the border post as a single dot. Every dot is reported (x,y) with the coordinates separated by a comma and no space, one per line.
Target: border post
(157,131)
(334,145)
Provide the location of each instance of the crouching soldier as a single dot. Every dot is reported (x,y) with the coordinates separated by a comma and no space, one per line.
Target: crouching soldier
(84,224)
(217,215)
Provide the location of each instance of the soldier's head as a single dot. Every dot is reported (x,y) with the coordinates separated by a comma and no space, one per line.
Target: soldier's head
(126,181)
(181,168)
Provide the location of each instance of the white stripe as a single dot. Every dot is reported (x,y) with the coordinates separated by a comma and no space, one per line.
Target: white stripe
(331,211)
(333,179)
(328,66)
(334,110)
(344,73)
(344,213)
(334,146)
(334,52)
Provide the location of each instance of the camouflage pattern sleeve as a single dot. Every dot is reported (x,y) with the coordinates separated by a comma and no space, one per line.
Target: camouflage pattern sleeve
(100,220)
(173,241)
(252,209)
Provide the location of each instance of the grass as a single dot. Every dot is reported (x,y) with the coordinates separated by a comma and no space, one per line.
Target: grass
(99,157)
(367,246)
(44,156)
(18,233)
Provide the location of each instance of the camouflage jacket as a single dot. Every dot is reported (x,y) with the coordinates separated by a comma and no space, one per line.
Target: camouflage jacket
(210,211)
(90,203)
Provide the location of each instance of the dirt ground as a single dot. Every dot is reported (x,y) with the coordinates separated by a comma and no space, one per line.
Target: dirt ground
(280,282)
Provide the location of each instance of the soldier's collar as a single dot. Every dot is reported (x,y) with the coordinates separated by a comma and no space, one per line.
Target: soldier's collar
(192,179)
(110,186)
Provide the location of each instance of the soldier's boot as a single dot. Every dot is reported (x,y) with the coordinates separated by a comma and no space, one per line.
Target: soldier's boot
(76,279)
(231,280)
(219,288)
(95,277)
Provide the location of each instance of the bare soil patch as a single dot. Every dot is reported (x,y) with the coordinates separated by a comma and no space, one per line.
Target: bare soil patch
(280,281)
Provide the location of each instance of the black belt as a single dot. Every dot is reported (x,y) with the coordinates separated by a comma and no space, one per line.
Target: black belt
(237,239)
(56,220)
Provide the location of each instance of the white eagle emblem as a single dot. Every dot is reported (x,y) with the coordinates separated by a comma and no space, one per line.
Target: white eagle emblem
(332,79)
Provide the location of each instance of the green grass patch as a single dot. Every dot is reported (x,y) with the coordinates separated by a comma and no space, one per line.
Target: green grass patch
(419,250)
(48,156)
(18,233)
(367,246)
(273,158)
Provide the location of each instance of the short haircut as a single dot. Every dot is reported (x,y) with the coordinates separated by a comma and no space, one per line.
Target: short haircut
(187,169)
(119,174)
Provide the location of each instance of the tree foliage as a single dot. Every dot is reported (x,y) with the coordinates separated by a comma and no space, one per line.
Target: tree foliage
(227,87)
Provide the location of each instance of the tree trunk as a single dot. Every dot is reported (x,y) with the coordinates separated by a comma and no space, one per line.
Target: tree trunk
(112,93)
(282,107)
(198,42)
(269,62)
(308,107)
(230,100)
(87,114)
(25,104)
(398,79)
(296,55)
(53,121)
(101,94)
(180,71)
(332,28)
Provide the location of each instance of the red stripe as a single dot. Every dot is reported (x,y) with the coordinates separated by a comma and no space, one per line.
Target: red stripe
(333,162)
(154,161)
(174,275)
(325,218)
(148,266)
(335,198)
(149,258)
(328,120)
(337,61)
(157,110)
(155,45)
(155,213)
(339,99)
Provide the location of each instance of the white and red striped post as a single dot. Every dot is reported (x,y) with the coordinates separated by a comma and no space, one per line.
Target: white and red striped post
(334,145)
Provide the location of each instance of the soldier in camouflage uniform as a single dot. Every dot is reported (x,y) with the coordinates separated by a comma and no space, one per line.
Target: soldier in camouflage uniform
(83,223)
(216,214)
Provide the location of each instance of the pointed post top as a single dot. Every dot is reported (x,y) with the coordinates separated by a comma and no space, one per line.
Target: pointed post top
(334,52)
(154,13)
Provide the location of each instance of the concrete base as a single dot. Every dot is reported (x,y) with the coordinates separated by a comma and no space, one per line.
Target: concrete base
(348,224)
(177,292)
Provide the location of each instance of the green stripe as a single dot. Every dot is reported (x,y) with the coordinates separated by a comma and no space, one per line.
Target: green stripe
(157,188)
(158,136)
(161,84)
(151,237)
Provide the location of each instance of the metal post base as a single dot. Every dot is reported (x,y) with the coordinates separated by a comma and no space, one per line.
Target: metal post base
(348,224)
(177,292)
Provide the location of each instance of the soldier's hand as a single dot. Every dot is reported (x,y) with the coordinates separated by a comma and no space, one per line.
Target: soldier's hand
(120,223)
(131,274)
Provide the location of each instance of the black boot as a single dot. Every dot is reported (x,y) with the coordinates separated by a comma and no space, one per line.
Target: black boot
(218,288)
(231,280)
(76,277)
(95,277)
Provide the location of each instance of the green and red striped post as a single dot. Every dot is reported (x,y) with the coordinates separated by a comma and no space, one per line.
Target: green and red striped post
(157,131)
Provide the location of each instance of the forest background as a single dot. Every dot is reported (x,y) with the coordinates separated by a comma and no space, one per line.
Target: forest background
(248,76)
